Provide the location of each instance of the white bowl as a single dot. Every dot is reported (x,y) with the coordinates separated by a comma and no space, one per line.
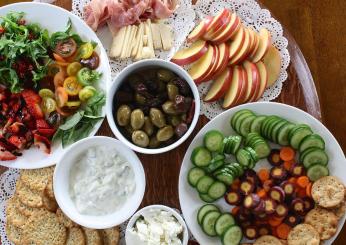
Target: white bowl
(140,65)
(62,178)
(134,218)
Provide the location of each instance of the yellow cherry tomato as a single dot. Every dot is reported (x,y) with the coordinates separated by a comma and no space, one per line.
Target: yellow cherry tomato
(86,93)
(73,68)
(45,92)
(86,50)
(48,105)
(61,96)
(72,86)
(73,104)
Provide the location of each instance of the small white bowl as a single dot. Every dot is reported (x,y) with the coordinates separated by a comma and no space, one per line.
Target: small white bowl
(62,178)
(137,66)
(134,218)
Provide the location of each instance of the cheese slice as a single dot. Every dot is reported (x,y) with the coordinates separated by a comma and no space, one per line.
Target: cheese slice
(131,41)
(126,42)
(166,36)
(156,36)
(150,38)
(138,41)
(117,43)
(138,55)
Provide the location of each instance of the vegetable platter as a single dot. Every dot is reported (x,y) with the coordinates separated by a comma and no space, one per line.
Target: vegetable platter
(329,161)
(64,43)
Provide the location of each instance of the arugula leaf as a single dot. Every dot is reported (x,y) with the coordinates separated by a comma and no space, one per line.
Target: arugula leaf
(62,35)
(72,120)
(10,79)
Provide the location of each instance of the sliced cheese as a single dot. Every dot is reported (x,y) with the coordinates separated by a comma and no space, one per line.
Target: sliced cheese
(126,42)
(138,40)
(155,29)
(117,43)
(138,55)
(131,41)
(150,38)
(166,36)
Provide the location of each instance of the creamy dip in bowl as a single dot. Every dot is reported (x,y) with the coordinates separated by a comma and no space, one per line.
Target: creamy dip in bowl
(99,182)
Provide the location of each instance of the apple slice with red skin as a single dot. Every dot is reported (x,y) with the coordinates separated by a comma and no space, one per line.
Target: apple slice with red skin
(254,76)
(264,44)
(218,20)
(237,43)
(254,40)
(219,86)
(255,45)
(223,60)
(202,67)
(190,54)
(235,87)
(263,74)
(199,30)
(208,76)
(239,25)
(244,84)
(219,30)
(228,31)
(272,61)
(239,56)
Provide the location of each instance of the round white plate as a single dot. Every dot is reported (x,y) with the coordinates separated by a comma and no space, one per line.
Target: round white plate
(188,196)
(54,19)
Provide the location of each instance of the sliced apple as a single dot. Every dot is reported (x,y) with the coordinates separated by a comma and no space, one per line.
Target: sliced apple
(218,20)
(234,89)
(223,60)
(227,32)
(239,56)
(243,84)
(202,67)
(219,30)
(255,44)
(196,33)
(239,25)
(272,61)
(191,54)
(253,37)
(237,43)
(253,74)
(264,44)
(208,76)
(251,86)
(263,74)
(219,86)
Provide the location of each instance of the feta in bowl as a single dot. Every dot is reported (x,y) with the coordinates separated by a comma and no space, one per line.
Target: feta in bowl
(156,225)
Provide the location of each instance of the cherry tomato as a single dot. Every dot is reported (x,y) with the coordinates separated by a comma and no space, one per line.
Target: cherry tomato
(45,92)
(86,93)
(66,48)
(73,104)
(72,86)
(48,105)
(92,62)
(63,112)
(86,50)
(61,96)
(73,68)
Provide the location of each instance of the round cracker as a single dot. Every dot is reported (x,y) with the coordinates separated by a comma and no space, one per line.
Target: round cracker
(324,221)
(49,204)
(303,234)
(111,236)
(14,234)
(267,240)
(44,228)
(340,210)
(13,215)
(92,236)
(49,189)
(36,179)
(75,236)
(63,219)
(27,196)
(328,192)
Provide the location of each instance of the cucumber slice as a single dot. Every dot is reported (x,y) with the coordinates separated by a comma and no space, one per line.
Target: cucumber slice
(238,114)
(206,198)
(276,130)
(234,169)
(213,140)
(231,144)
(208,222)
(244,158)
(296,127)
(240,120)
(253,154)
(303,154)
(298,135)
(200,156)
(313,140)
(245,124)
(225,177)
(205,209)
(256,124)
(271,127)
(194,175)
(262,149)
(204,184)
(217,190)
(223,223)
(251,137)
(232,236)
(282,137)
(216,162)
(268,125)
(317,156)
(239,168)
(317,171)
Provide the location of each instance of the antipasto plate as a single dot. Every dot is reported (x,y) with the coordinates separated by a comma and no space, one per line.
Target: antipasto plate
(273,186)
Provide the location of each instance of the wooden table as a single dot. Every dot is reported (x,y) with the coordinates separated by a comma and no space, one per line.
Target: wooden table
(162,171)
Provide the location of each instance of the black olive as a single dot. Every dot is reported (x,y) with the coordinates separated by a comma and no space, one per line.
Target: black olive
(182,104)
(181,129)
(54,119)
(184,88)
(123,97)
(152,86)
(93,62)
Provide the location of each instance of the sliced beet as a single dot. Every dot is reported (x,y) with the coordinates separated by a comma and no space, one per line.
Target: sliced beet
(288,188)
(244,215)
(269,206)
(233,198)
(251,232)
(293,220)
(264,230)
(298,206)
(245,224)
(260,208)
(251,175)
(277,194)
(274,158)
(278,173)
(281,210)
(251,201)
(247,187)
(267,185)
(308,204)
(262,216)
(297,170)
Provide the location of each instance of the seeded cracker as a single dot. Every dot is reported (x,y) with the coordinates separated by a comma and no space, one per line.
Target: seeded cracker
(92,236)
(75,236)
(110,236)
(27,196)
(303,234)
(324,221)
(267,240)
(328,192)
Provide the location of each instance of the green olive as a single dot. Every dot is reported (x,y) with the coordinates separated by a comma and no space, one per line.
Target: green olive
(137,119)
(129,129)
(154,143)
(165,75)
(140,99)
(172,91)
(174,120)
(161,85)
(123,115)
(168,108)
(157,117)
(165,133)
(148,126)
(183,117)
(140,138)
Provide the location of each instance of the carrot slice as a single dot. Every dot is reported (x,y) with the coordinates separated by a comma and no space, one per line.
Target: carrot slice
(262,193)
(308,189)
(287,153)
(267,185)
(301,192)
(274,221)
(292,180)
(283,230)
(235,210)
(263,174)
(235,184)
(303,181)
(288,165)
(59,58)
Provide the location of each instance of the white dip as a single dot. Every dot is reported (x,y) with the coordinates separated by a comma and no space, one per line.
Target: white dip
(157,227)
(101,181)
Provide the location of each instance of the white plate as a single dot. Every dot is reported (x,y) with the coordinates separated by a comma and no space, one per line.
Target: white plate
(54,19)
(188,196)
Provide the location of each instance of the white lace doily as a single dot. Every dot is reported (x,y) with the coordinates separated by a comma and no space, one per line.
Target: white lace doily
(251,15)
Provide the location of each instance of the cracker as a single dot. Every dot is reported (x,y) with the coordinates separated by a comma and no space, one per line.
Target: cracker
(36,179)
(49,204)
(14,234)
(328,192)
(27,196)
(44,228)
(63,219)
(92,236)
(13,215)
(110,236)
(303,234)
(340,210)
(49,188)
(267,240)
(75,236)
(25,210)
(324,221)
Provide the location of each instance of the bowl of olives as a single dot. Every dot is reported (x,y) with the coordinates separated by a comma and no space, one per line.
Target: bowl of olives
(153,106)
